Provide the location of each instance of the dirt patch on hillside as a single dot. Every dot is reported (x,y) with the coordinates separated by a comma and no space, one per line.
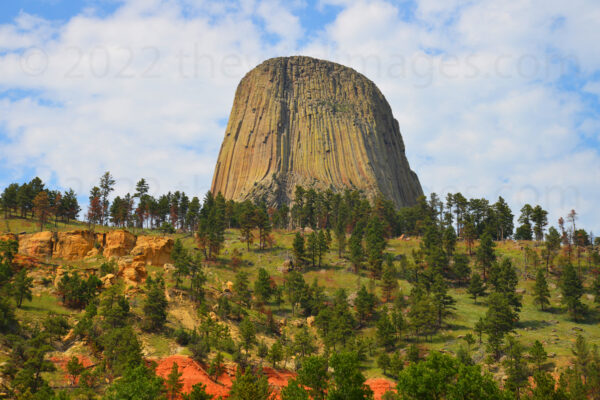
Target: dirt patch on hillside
(193,373)
(379,386)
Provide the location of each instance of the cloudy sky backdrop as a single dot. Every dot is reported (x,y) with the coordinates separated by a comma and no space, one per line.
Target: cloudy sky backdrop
(493,98)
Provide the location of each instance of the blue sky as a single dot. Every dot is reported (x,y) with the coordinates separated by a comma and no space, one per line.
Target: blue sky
(493,98)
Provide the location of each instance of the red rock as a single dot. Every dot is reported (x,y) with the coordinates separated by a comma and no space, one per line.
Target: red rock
(193,373)
(379,386)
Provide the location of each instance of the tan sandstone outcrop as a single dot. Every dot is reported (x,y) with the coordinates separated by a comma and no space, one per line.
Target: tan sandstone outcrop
(133,271)
(154,250)
(73,245)
(36,244)
(83,244)
(118,243)
(315,123)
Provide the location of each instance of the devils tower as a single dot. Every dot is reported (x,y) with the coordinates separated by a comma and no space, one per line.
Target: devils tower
(304,121)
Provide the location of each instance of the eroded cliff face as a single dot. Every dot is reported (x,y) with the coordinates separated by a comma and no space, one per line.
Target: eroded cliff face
(82,244)
(303,121)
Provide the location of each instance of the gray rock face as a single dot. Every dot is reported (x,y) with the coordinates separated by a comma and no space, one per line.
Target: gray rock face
(304,121)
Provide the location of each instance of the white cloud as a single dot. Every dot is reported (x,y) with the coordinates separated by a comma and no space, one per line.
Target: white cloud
(143,92)
(280,21)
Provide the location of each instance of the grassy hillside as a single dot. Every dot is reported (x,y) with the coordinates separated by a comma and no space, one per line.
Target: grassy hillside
(554,328)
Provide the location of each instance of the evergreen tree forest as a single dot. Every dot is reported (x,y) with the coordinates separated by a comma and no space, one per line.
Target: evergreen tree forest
(451,298)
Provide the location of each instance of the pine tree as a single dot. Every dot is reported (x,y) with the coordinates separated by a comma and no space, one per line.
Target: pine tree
(538,354)
(479,328)
(94,214)
(340,235)
(323,245)
(383,362)
(247,334)
(155,305)
(485,253)
(262,285)
(312,247)
(422,313)
(247,224)
(375,245)
(107,185)
(365,304)
(389,281)
(248,386)
(240,288)
(500,319)
(386,333)
(215,368)
(596,289)
(461,269)
(539,217)
(572,290)
(476,287)
(442,301)
(515,366)
(181,261)
(275,353)
(551,246)
(22,287)
(295,288)
(356,249)
(294,391)
(298,249)
(504,219)
(174,384)
(541,293)
(198,393)
(264,227)
(314,375)
(41,207)
(449,240)
(583,357)
(347,382)
(74,368)
(503,278)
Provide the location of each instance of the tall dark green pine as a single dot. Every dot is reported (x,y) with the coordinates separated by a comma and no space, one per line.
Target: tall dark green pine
(365,304)
(155,306)
(347,382)
(499,320)
(375,245)
(22,287)
(572,290)
(386,333)
(541,293)
(485,253)
(460,268)
(442,301)
(264,227)
(356,249)
(476,287)
(298,249)
(323,246)
(515,366)
(389,281)
(262,285)
(504,219)
(312,248)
